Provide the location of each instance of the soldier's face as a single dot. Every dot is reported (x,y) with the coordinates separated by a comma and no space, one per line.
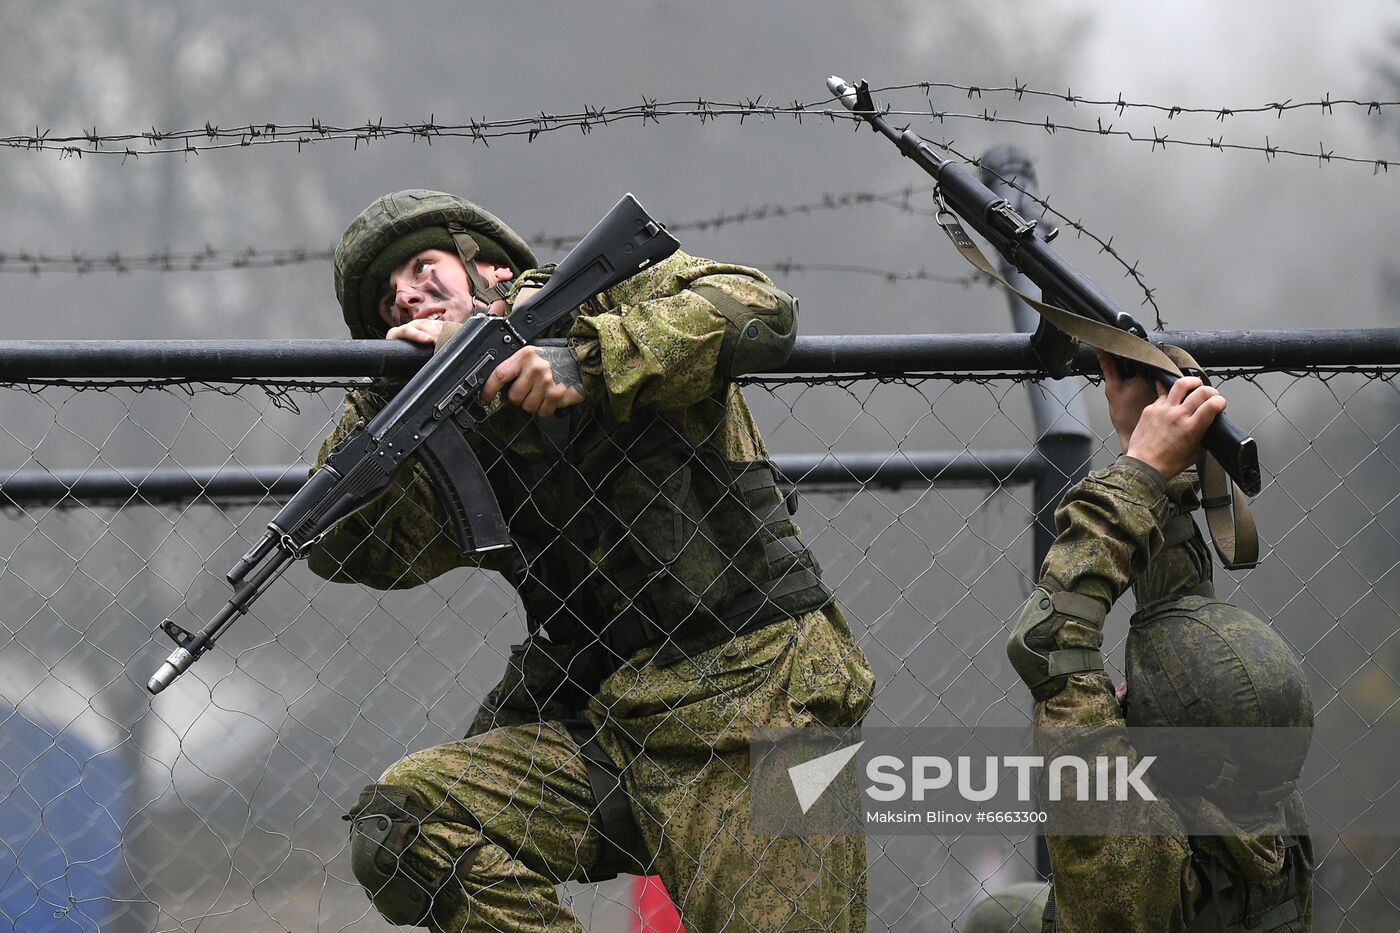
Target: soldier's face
(433,284)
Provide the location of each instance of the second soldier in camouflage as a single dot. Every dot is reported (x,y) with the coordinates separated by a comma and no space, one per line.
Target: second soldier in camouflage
(1193,661)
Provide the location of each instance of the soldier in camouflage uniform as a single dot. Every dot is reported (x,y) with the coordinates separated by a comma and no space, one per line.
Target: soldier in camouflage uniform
(671,605)
(1192,661)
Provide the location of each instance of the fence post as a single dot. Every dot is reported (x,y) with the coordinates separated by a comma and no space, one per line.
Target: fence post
(1061,421)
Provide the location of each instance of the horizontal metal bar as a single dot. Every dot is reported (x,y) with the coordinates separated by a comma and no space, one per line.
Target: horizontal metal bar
(157,485)
(150,484)
(910,467)
(211,360)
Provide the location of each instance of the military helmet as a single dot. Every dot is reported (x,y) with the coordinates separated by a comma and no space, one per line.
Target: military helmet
(1194,661)
(400,224)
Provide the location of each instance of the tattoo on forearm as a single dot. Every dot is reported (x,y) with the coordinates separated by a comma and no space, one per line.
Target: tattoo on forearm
(565,368)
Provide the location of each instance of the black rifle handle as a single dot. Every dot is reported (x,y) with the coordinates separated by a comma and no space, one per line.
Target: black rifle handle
(1236,451)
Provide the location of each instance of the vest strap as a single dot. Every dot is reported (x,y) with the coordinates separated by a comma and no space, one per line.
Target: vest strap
(621,847)
(1179,530)
(735,312)
(1049,919)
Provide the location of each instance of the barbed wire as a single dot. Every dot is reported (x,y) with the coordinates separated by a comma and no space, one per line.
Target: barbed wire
(786,266)
(256,134)
(215,137)
(1077,225)
(209,258)
(898,198)
(212,259)
(1323,155)
(1119,103)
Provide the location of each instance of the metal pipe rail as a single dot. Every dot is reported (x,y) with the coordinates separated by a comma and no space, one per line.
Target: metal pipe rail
(171,485)
(216,360)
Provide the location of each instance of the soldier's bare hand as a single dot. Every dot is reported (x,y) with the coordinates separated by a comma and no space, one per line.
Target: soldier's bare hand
(423,330)
(1126,398)
(1168,432)
(542,380)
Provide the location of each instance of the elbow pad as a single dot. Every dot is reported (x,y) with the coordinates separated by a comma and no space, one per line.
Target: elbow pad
(756,340)
(1033,648)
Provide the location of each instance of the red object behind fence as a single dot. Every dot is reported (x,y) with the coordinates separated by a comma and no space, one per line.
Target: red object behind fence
(655,912)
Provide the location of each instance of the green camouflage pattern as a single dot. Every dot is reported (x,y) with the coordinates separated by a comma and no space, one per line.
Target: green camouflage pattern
(653,342)
(390,217)
(681,735)
(647,343)
(679,732)
(1110,529)
(1195,661)
(1177,571)
(1202,647)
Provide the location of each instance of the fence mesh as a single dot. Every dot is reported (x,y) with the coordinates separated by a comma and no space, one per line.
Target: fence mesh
(216,806)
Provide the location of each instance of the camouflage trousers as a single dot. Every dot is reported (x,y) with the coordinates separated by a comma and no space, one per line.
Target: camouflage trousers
(515,813)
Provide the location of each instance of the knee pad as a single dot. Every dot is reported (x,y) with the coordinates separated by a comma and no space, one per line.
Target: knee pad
(384,824)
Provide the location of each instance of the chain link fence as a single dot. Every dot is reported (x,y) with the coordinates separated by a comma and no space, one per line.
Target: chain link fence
(128,493)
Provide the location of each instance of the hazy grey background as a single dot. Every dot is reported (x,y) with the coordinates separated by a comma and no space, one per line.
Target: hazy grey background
(1227,239)
(226,760)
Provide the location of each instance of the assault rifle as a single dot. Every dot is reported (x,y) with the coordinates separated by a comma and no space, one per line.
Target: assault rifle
(427,417)
(1070,301)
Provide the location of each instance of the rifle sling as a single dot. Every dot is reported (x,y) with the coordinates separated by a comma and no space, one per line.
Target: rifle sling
(1096,334)
(1232,528)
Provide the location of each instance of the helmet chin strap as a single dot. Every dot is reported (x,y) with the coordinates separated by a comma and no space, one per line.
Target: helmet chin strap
(492,293)
(483,292)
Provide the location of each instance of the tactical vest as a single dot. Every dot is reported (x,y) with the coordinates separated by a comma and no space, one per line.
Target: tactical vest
(629,535)
(1233,906)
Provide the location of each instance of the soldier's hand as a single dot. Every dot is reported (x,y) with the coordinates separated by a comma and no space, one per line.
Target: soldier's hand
(1126,398)
(424,330)
(1162,428)
(542,380)
(1169,431)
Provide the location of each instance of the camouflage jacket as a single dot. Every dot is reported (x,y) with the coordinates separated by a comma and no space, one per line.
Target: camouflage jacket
(1109,526)
(654,349)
